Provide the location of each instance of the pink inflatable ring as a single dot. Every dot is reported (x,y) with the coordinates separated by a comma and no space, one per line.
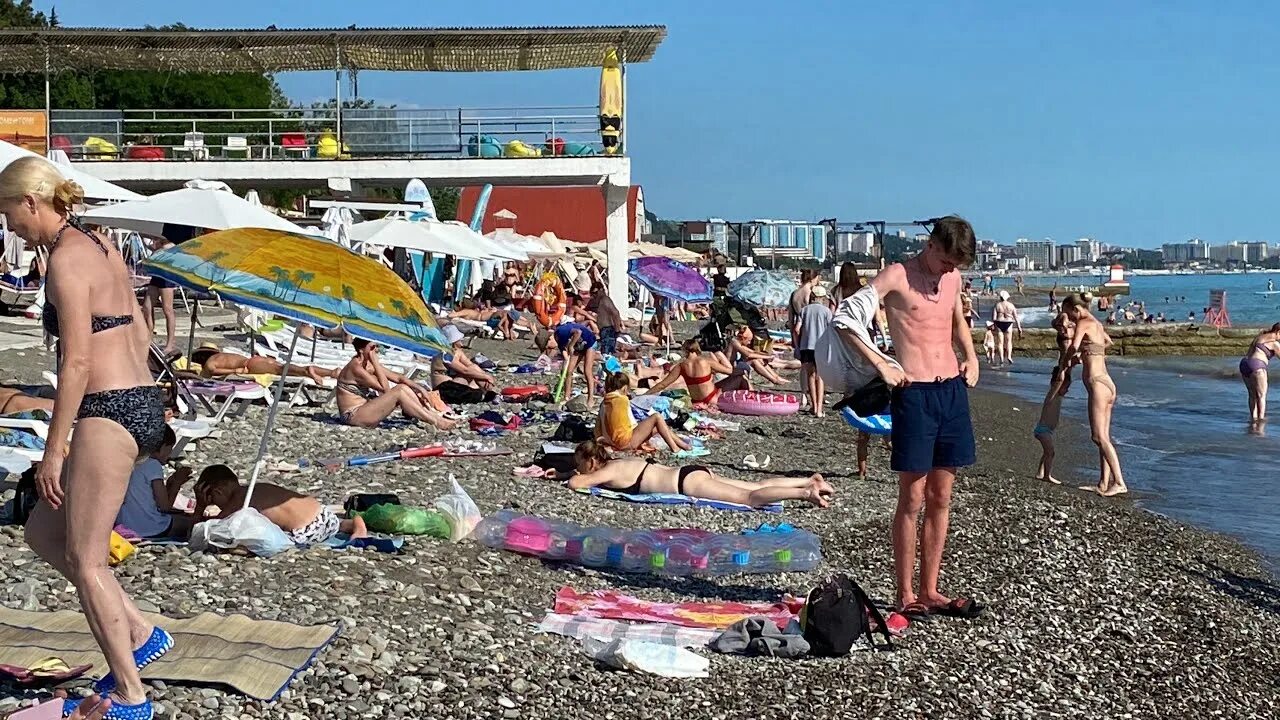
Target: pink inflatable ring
(752,402)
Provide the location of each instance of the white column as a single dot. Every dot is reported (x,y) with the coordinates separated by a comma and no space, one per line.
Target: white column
(615,224)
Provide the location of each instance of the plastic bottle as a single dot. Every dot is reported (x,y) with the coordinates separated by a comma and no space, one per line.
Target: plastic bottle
(596,545)
(559,535)
(638,553)
(528,535)
(729,554)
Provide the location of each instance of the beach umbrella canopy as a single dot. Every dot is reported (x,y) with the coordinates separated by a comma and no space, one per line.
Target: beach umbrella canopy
(763,288)
(670,278)
(307,279)
(211,209)
(94,189)
(431,236)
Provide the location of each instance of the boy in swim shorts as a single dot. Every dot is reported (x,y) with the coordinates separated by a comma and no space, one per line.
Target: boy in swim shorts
(929,403)
(304,519)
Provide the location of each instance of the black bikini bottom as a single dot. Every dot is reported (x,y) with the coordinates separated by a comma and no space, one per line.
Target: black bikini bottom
(139,410)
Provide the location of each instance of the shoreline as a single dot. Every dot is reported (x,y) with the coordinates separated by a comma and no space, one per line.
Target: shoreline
(1095,607)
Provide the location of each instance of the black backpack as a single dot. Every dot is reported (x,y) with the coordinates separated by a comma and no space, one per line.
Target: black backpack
(836,613)
(574,429)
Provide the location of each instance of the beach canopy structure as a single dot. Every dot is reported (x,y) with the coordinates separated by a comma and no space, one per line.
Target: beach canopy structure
(211,209)
(271,50)
(94,189)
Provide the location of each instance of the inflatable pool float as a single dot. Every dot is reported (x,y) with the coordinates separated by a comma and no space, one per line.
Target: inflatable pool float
(874,425)
(524,392)
(752,402)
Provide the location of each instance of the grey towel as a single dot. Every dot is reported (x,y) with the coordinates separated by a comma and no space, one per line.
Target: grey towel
(760,636)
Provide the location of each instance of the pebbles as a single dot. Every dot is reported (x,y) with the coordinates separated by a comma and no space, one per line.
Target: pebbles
(1095,609)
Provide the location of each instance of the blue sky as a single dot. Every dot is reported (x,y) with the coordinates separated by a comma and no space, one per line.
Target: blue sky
(1133,122)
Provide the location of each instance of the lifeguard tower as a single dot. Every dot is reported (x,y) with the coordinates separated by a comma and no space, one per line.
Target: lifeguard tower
(1216,314)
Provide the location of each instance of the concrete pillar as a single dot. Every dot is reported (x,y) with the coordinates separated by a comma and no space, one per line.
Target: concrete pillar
(615,207)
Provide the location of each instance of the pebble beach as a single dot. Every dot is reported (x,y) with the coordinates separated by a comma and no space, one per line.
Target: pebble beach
(1095,609)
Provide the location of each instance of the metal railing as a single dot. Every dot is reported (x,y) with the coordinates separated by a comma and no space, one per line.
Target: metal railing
(300,133)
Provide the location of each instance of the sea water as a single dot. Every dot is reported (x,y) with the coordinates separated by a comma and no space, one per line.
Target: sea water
(1181,428)
(1185,294)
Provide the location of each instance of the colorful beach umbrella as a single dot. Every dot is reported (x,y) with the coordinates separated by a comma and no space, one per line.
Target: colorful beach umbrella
(307,279)
(670,278)
(763,288)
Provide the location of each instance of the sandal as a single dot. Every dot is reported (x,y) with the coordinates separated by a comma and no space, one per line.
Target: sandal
(152,650)
(963,608)
(117,711)
(915,612)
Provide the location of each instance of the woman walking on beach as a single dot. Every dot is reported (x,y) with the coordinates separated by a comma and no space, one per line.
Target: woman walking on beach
(104,385)
(1253,370)
(1089,341)
(1005,317)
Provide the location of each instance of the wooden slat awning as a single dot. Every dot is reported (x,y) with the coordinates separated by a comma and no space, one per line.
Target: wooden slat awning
(23,50)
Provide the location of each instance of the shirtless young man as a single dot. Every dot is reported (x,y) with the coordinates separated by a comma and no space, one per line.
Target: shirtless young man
(304,519)
(932,430)
(214,364)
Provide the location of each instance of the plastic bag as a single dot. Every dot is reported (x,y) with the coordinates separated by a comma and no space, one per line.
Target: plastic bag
(663,660)
(459,509)
(246,528)
(405,520)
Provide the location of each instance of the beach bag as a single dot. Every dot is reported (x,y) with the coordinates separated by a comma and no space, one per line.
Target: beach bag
(404,520)
(836,613)
(455,393)
(363,501)
(120,549)
(573,429)
(562,463)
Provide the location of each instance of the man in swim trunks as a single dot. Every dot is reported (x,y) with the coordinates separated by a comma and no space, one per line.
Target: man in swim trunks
(215,364)
(304,519)
(932,429)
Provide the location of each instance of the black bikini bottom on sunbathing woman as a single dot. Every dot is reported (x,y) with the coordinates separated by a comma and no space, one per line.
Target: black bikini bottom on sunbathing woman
(681,474)
(139,410)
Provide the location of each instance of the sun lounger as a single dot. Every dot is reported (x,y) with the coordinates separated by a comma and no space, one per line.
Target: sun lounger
(39,428)
(187,431)
(220,398)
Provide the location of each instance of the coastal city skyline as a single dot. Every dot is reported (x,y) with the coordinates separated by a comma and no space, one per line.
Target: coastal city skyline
(852,132)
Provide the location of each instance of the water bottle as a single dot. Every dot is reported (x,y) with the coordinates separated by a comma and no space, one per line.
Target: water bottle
(492,530)
(729,554)
(559,535)
(684,556)
(806,552)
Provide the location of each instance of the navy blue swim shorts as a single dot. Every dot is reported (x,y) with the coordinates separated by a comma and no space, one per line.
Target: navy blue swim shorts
(931,426)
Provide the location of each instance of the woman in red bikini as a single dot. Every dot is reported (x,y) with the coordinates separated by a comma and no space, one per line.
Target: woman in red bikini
(698,372)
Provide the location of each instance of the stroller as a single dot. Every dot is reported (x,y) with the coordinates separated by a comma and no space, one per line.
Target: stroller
(726,311)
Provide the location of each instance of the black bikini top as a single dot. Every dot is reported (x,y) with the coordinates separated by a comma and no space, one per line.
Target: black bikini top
(49,318)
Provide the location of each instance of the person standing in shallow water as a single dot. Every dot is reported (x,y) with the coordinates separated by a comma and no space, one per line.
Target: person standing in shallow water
(1253,371)
(932,430)
(1089,342)
(105,387)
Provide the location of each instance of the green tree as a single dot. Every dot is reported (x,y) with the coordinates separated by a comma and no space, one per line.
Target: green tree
(446,202)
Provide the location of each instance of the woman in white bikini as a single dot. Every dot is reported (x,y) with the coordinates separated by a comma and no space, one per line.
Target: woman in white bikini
(1089,342)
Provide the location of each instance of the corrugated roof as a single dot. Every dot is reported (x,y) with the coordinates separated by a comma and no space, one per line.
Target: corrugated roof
(498,49)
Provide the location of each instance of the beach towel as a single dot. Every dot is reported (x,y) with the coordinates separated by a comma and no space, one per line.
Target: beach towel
(582,627)
(255,657)
(611,605)
(676,499)
(17,439)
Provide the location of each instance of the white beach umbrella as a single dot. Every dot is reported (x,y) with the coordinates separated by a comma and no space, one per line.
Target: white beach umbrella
(433,236)
(210,209)
(94,188)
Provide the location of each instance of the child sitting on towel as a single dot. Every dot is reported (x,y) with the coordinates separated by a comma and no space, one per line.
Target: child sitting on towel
(304,519)
(149,498)
(614,422)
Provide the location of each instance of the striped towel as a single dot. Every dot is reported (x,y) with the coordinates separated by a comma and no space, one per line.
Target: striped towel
(582,627)
(676,499)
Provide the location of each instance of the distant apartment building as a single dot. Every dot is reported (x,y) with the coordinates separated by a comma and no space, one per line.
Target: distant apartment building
(1066,255)
(714,232)
(791,238)
(855,242)
(1191,251)
(1039,253)
(1090,249)
(1239,252)
(1015,262)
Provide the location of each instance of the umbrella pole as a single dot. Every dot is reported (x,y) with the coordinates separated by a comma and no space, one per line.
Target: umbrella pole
(191,332)
(271,421)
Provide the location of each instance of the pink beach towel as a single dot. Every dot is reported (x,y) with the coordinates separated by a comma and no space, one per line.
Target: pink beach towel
(615,606)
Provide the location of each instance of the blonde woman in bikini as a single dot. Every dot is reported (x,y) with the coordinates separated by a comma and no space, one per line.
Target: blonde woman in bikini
(1089,341)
